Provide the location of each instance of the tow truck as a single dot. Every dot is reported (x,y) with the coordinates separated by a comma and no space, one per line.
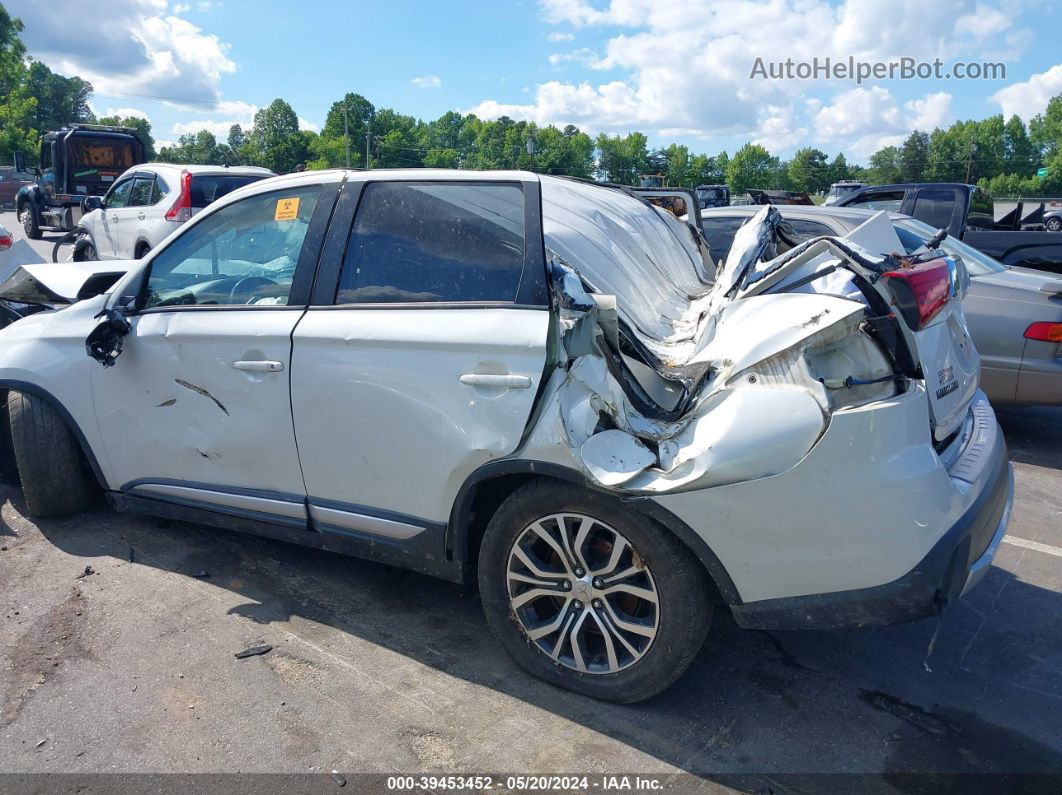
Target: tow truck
(77,161)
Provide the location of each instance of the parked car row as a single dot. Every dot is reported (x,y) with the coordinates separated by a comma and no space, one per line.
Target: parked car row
(546,387)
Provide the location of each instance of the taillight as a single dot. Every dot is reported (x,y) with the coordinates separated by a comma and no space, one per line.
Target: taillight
(182,208)
(6,241)
(1045,332)
(920,292)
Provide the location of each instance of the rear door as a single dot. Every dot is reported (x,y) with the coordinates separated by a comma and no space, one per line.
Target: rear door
(423,349)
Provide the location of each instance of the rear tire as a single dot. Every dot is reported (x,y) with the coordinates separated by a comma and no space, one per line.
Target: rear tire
(1054,224)
(609,664)
(142,250)
(55,476)
(8,467)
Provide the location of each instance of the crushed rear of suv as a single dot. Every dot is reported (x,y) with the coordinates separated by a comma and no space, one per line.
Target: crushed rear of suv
(539,384)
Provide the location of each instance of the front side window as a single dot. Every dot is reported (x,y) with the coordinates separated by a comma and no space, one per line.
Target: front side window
(439,242)
(243,254)
(140,195)
(119,195)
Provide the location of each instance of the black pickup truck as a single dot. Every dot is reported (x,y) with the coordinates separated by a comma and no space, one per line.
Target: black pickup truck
(947,205)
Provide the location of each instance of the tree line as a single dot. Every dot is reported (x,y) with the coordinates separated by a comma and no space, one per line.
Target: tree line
(1004,157)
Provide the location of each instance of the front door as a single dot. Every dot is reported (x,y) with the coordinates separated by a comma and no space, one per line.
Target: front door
(421,359)
(197,409)
(107,236)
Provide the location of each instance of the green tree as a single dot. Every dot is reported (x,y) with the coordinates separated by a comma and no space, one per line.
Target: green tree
(17,107)
(1045,129)
(143,131)
(1019,153)
(838,169)
(200,148)
(914,157)
(885,166)
(622,159)
(276,142)
(808,170)
(60,100)
(752,167)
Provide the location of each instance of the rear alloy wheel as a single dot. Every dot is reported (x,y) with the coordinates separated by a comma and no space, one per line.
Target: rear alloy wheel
(589,596)
(1053,224)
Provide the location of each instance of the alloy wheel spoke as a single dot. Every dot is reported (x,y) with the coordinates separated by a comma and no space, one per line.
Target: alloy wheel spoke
(545,535)
(604,619)
(619,545)
(629,626)
(531,594)
(552,626)
(533,567)
(610,647)
(647,594)
(577,652)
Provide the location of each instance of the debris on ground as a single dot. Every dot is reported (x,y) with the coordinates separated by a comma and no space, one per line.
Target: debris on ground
(131,555)
(202,574)
(338,778)
(88,571)
(42,742)
(254,651)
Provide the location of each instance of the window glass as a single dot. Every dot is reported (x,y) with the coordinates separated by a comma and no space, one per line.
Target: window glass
(119,195)
(935,207)
(245,253)
(720,233)
(207,188)
(160,190)
(805,229)
(435,242)
(884,200)
(140,195)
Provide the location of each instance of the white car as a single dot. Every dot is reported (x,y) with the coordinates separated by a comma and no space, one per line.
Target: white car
(539,384)
(149,201)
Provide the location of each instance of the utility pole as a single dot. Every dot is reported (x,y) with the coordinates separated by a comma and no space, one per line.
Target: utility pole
(368,138)
(346,133)
(969,160)
(531,151)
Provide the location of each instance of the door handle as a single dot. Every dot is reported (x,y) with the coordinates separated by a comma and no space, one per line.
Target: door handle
(497,381)
(259,366)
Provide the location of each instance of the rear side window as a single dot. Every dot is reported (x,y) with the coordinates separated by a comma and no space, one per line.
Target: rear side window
(935,207)
(805,229)
(720,234)
(160,190)
(207,188)
(884,200)
(434,242)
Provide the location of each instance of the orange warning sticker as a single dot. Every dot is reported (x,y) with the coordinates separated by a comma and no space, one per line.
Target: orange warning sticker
(287,210)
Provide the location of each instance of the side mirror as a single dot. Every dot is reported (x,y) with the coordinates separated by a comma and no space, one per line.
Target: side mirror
(20,162)
(90,203)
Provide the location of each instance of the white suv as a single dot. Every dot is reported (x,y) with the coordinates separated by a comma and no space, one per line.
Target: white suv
(148,202)
(539,384)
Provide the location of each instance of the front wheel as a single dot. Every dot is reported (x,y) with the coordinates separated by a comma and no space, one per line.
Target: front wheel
(1053,224)
(29,222)
(588,595)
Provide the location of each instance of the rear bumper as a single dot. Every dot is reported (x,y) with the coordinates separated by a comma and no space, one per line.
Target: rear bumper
(954,565)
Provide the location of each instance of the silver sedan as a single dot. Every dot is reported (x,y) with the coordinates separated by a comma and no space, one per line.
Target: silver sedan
(1014,314)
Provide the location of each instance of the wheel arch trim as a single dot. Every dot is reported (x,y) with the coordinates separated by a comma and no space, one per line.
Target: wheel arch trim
(44,394)
(459,538)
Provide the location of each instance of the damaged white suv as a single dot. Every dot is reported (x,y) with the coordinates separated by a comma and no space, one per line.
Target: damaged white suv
(539,382)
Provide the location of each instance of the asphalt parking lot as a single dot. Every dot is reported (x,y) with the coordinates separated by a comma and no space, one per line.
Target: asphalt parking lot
(131,667)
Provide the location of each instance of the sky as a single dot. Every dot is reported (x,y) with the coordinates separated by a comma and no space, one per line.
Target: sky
(677,71)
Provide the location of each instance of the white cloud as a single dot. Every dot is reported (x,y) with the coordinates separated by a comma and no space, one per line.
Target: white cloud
(428,81)
(137,47)
(308,125)
(220,129)
(558,36)
(123,113)
(686,66)
(1030,97)
(181,8)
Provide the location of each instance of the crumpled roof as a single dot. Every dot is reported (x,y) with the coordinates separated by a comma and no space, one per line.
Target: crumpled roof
(650,261)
